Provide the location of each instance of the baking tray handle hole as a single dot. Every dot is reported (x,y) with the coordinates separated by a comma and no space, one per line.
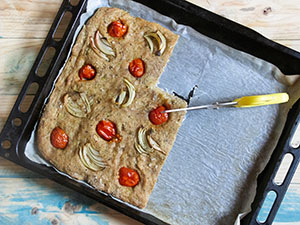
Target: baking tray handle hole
(62,26)
(266,207)
(27,100)
(74,2)
(295,140)
(46,61)
(283,169)
(6,144)
(17,122)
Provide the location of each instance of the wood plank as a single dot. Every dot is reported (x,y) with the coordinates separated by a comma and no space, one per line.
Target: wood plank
(275,19)
(42,201)
(282,173)
(6,104)
(20,55)
(289,210)
(27,18)
(32,19)
(51,200)
(293,44)
(9,169)
(296,178)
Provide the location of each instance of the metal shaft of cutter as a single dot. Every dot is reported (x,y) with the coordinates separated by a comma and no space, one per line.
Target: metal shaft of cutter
(216,105)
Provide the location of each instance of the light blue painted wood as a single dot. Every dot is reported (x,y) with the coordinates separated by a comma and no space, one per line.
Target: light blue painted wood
(21,197)
(25,196)
(28,198)
(289,210)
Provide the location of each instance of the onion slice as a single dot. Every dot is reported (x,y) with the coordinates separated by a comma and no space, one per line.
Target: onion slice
(150,42)
(82,159)
(74,109)
(153,143)
(144,144)
(139,148)
(160,40)
(119,100)
(91,158)
(94,156)
(88,162)
(96,50)
(131,93)
(80,108)
(142,140)
(162,45)
(86,102)
(103,45)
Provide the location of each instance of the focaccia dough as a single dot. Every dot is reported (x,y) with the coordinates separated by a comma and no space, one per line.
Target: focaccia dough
(102,90)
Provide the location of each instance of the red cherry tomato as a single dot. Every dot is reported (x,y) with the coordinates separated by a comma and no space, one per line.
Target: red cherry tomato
(107,130)
(137,67)
(59,138)
(157,116)
(128,177)
(117,29)
(87,72)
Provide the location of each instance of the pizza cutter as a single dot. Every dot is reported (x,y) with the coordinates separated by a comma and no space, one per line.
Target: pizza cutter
(243,102)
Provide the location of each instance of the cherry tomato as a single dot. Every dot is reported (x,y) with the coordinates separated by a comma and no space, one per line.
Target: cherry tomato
(87,72)
(128,177)
(157,116)
(59,138)
(137,67)
(117,29)
(107,130)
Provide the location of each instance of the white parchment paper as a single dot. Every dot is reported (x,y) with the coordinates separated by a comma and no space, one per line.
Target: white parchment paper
(210,175)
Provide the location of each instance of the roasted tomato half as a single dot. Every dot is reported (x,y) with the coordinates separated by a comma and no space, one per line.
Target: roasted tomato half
(128,177)
(108,131)
(117,29)
(87,72)
(137,67)
(158,116)
(59,138)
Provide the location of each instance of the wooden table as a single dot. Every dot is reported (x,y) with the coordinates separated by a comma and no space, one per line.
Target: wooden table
(28,198)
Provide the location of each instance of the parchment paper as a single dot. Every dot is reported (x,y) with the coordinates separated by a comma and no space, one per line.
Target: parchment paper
(210,175)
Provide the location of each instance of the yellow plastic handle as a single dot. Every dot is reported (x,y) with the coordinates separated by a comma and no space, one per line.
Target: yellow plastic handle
(259,100)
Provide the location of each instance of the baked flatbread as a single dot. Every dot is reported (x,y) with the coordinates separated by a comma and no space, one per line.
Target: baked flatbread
(101,93)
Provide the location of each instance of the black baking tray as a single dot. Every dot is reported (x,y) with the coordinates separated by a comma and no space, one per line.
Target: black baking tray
(14,137)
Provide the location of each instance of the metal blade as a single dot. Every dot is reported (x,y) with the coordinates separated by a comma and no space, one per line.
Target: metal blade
(191,108)
(212,106)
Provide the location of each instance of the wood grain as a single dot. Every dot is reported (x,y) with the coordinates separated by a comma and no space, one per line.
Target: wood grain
(273,18)
(42,201)
(28,198)
(19,54)
(27,19)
